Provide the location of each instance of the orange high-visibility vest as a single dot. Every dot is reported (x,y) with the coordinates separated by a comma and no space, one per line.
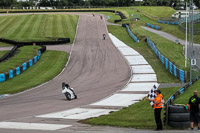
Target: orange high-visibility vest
(158,102)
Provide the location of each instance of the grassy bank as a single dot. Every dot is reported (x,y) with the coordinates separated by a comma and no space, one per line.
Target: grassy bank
(168,48)
(184,98)
(5,44)
(156,11)
(51,64)
(22,55)
(139,115)
(162,74)
(152,14)
(2,53)
(38,27)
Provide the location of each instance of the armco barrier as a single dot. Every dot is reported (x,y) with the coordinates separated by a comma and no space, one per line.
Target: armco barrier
(122,16)
(168,22)
(153,26)
(181,91)
(180,74)
(18,43)
(17,71)
(131,34)
(116,21)
(9,54)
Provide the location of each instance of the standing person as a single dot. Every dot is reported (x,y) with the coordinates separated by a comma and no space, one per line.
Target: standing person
(158,105)
(194,110)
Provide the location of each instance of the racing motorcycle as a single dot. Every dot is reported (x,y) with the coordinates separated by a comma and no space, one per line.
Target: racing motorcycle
(68,92)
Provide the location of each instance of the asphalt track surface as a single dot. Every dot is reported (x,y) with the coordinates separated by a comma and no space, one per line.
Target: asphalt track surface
(95,70)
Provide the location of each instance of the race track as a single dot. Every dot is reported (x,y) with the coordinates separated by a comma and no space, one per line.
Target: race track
(96,70)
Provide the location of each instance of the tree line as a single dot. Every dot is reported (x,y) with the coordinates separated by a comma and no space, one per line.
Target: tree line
(61,3)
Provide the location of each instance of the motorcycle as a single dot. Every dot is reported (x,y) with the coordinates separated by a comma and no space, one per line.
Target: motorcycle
(68,92)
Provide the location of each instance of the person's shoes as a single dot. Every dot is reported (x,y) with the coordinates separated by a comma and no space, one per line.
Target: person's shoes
(192,129)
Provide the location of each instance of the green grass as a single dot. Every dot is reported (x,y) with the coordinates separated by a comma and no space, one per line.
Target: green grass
(2,53)
(152,14)
(22,55)
(113,16)
(157,11)
(5,44)
(162,74)
(168,48)
(51,64)
(139,115)
(184,98)
(38,27)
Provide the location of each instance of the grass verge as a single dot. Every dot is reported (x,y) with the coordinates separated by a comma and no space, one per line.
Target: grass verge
(168,48)
(152,14)
(184,98)
(43,27)
(5,44)
(139,115)
(2,53)
(162,74)
(22,55)
(51,64)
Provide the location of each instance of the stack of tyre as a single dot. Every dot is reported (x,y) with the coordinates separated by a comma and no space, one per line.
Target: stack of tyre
(178,117)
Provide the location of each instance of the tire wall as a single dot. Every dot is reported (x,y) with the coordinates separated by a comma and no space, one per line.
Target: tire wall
(178,116)
(172,22)
(20,69)
(18,43)
(122,16)
(153,26)
(9,54)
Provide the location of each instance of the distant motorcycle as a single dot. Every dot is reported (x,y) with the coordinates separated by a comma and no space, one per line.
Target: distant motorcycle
(68,91)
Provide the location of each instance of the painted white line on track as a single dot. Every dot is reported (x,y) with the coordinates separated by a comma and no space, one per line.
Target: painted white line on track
(136,60)
(32,126)
(142,69)
(122,100)
(139,86)
(78,113)
(144,78)
(128,51)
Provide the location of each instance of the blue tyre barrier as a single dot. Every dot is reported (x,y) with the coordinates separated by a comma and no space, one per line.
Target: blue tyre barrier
(11,74)
(153,26)
(172,22)
(35,59)
(30,63)
(24,66)
(2,77)
(17,71)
